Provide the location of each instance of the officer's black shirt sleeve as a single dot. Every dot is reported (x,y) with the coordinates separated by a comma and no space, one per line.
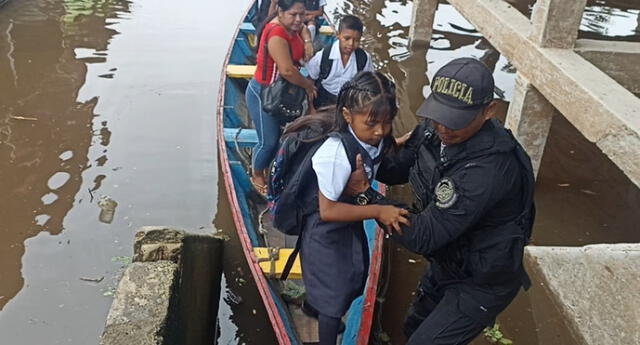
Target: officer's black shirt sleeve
(394,168)
(436,226)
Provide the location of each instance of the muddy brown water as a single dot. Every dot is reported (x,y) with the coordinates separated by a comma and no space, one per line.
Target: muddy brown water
(116,99)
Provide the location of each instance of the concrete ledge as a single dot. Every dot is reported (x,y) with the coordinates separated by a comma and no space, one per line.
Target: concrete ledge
(593,290)
(141,309)
(170,294)
(154,243)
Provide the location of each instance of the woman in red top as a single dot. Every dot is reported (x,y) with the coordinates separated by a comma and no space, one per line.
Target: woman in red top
(287,41)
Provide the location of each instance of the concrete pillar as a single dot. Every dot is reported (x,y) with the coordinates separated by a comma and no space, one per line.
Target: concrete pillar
(529,117)
(199,291)
(422,16)
(554,24)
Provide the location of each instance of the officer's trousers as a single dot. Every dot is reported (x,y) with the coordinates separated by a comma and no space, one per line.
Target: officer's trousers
(437,319)
(449,316)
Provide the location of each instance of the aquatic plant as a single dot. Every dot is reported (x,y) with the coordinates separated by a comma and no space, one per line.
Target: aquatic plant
(495,336)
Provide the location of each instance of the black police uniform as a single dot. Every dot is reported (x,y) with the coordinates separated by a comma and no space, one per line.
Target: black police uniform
(474,214)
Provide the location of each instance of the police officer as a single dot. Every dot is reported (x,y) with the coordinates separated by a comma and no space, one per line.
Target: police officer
(473,209)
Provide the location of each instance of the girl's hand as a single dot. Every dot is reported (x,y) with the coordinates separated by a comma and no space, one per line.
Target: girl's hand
(403,139)
(393,217)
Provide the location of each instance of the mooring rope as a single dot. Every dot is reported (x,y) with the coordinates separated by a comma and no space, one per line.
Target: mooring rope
(242,156)
(261,229)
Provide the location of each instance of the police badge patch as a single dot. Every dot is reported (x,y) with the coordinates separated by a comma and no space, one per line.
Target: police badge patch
(446,194)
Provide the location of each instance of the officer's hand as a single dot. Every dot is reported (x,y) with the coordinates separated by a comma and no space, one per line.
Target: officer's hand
(358,181)
(403,139)
(392,218)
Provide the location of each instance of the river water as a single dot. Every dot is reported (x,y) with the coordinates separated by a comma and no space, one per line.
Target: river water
(107,123)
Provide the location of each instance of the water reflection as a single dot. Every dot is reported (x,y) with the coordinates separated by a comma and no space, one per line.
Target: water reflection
(42,159)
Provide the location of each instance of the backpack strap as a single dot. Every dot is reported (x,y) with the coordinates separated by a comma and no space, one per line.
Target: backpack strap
(352,147)
(292,258)
(361,59)
(325,63)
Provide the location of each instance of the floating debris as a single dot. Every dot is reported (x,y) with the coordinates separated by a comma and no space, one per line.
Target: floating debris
(232,299)
(93,280)
(23,118)
(107,209)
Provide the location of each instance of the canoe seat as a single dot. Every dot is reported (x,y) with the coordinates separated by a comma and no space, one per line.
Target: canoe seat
(247,28)
(241,71)
(243,137)
(250,29)
(273,268)
(326,30)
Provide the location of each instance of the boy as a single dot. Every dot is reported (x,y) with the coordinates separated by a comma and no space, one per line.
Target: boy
(338,63)
(315,9)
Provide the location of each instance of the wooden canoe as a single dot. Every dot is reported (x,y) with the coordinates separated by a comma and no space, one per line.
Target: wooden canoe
(236,136)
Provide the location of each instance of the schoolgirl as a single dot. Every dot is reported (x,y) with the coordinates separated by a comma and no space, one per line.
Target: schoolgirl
(334,251)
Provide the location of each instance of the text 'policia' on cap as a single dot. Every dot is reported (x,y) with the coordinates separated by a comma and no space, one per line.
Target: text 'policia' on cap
(459,90)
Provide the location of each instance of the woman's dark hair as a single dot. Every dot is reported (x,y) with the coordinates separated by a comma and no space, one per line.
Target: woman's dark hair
(368,92)
(284,5)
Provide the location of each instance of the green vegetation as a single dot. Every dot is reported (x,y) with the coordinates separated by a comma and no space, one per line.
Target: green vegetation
(123,260)
(495,336)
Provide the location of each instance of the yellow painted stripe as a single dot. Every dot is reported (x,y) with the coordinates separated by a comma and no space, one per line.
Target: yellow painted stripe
(241,71)
(283,255)
(326,30)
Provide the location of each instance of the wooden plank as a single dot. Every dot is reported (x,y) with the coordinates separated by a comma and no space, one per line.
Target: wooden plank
(247,27)
(326,30)
(306,327)
(241,71)
(279,263)
(603,111)
(244,137)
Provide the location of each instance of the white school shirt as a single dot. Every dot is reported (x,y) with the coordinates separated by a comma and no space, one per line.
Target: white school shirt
(339,74)
(332,167)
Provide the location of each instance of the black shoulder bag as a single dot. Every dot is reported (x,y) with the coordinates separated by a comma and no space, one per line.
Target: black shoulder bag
(281,98)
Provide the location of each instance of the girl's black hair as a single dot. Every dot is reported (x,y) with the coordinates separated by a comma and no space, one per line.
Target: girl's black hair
(284,5)
(368,92)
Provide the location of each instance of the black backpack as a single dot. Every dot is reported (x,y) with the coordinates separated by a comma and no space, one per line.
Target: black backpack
(292,188)
(326,63)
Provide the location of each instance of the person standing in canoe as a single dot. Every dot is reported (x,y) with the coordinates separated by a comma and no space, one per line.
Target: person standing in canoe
(288,41)
(334,252)
(338,62)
